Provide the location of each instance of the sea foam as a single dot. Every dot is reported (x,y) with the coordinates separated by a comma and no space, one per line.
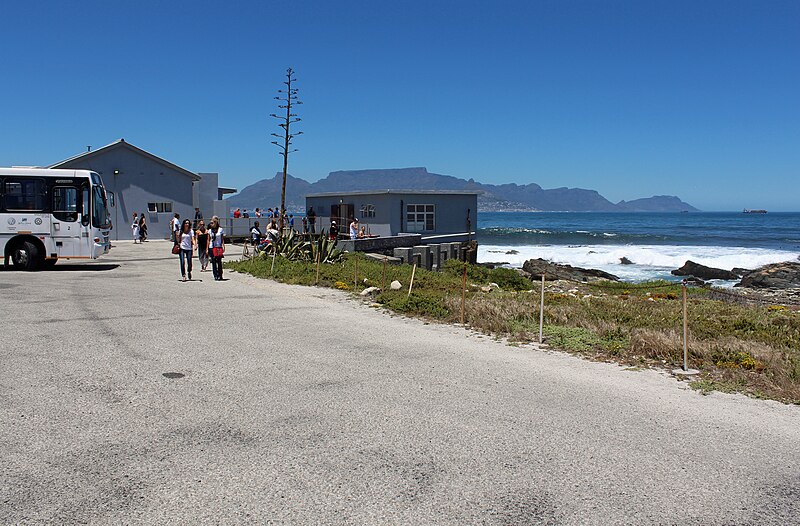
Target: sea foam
(650,261)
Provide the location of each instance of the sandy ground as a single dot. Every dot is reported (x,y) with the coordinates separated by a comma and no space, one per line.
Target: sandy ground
(300,406)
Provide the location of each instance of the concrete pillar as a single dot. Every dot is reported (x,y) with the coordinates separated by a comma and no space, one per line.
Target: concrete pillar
(404,253)
(436,253)
(424,252)
(454,250)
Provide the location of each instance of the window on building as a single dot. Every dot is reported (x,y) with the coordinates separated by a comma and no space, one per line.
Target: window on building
(156,208)
(367,211)
(65,203)
(420,218)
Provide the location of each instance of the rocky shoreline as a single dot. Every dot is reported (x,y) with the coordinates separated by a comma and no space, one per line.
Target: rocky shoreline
(776,282)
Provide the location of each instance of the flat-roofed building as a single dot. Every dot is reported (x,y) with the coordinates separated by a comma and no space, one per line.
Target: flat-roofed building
(431,213)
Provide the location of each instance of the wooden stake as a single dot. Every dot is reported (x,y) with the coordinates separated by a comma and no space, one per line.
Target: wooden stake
(383,288)
(410,285)
(318,258)
(272,269)
(355,278)
(541,314)
(685,331)
(463,294)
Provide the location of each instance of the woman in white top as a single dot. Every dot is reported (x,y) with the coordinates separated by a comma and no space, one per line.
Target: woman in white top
(216,247)
(135,227)
(187,242)
(354,228)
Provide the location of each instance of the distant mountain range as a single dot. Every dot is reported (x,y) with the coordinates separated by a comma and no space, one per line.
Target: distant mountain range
(266,193)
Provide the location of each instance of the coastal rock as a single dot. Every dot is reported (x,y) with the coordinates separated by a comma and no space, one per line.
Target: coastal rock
(775,276)
(555,271)
(625,261)
(395,285)
(740,271)
(690,268)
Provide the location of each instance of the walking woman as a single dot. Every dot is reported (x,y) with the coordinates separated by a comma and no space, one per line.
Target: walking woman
(202,244)
(142,229)
(188,243)
(135,228)
(216,247)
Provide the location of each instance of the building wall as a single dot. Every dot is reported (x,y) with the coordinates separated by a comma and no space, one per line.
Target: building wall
(390,209)
(206,191)
(140,181)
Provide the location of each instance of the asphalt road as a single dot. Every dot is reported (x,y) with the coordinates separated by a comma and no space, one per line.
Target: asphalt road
(299,406)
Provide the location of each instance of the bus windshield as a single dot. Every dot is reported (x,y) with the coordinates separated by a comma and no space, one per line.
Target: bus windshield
(100,215)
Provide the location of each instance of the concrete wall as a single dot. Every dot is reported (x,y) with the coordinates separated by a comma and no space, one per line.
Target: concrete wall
(390,209)
(140,181)
(205,192)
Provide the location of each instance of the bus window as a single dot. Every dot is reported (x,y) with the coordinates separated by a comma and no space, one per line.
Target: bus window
(85,206)
(100,215)
(65,203)
(25,194)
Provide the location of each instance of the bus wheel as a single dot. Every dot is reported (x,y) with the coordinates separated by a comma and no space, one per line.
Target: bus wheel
(50,263)
(26,256)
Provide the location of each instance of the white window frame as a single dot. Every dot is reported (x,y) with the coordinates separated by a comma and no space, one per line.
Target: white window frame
(421,214)
(161,207)
(367,211)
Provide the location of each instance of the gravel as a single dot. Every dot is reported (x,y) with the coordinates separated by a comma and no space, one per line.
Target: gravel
(299,405)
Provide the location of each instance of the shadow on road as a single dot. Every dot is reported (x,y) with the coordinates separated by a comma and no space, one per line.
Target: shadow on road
(67,267)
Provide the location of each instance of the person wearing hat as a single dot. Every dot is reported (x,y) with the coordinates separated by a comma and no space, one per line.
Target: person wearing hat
(334,231)
(354,228)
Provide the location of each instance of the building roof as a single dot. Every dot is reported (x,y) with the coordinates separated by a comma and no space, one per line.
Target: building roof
(225,190)
(122,144)
(390,192)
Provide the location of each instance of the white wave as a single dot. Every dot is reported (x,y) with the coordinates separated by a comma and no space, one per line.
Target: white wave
(650,261)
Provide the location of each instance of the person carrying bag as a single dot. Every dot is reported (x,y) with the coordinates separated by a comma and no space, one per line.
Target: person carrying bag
(216,247)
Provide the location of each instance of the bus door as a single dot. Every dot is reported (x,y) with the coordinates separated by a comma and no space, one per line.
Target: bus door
(67,231)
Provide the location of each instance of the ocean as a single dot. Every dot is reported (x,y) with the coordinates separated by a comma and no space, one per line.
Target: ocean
(655,242)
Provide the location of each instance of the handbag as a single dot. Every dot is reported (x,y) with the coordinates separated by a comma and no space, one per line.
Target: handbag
(216,252)
(176,249)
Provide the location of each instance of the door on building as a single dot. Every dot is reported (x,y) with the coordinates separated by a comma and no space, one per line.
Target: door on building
(343,214)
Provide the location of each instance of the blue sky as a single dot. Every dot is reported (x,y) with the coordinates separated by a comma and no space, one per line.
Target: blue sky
(635,98)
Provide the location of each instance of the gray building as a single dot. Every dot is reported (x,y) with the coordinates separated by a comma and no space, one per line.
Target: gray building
(450,214)
(144,183)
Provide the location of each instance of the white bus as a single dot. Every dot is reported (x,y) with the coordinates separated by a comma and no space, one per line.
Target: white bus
(47,215)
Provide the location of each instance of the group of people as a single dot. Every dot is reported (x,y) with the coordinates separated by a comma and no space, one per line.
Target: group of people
(288,219)
(208,242)
(139,228)
(263,240)
(355,231)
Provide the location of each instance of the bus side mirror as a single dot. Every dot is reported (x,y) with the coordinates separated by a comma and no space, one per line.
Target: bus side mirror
(111,199)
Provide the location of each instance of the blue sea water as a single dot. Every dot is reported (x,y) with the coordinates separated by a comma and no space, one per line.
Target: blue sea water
(655,242)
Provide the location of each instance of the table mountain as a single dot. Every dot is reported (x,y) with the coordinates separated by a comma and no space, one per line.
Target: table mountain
(267,192)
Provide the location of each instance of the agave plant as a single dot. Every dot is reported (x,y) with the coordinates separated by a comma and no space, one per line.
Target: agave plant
(293,248)
(325,249)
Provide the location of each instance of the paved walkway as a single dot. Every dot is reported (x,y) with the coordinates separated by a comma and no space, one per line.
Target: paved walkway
(300,406)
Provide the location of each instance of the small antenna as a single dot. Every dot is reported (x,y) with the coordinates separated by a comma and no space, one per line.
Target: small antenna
(89,148)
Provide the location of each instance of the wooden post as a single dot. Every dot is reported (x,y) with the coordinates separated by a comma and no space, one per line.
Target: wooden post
(383,287)
(272,269)
(685,331)
(541,314)
(410,285)
(318,258)
(355,278)
(463,294)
